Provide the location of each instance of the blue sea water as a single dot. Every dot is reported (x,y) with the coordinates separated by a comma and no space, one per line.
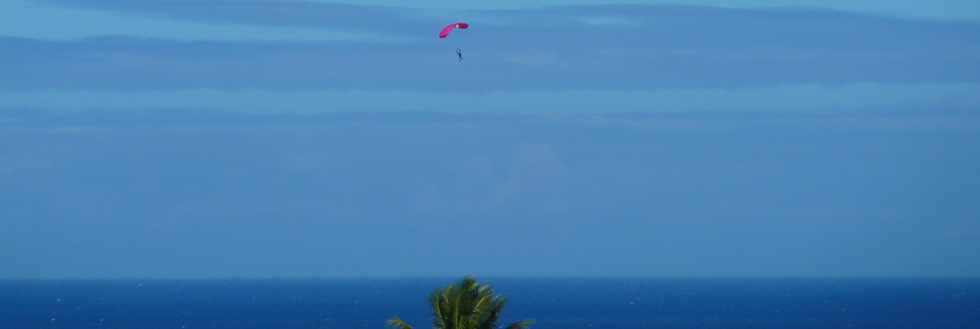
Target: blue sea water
(558,303)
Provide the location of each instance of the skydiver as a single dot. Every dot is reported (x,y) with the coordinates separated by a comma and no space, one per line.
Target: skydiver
(459,53)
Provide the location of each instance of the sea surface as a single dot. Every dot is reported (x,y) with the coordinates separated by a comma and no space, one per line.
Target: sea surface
(553,303)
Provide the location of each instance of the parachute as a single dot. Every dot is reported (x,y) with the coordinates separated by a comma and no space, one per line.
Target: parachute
(449,28)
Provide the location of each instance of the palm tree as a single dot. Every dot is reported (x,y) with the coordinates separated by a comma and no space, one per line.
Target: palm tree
(466,304)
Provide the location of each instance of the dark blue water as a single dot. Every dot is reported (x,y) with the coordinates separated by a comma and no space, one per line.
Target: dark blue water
(312,304)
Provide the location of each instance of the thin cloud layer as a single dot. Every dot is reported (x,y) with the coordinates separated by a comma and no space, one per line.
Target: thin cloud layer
(798,99)
(270,13)
(651,26)
(567,48)
(139,64)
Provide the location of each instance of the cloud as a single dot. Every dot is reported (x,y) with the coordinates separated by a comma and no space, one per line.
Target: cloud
(270,13)
(648,26)
(32,20)
(527,50)
(142,64)
(607,20)
(800,99)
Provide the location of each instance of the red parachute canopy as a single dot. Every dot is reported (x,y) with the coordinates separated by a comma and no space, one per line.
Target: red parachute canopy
(449,28)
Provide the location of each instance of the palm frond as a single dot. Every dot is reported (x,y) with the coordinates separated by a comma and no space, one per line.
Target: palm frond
(437,300)
(398,323)
(523,324)
(465,304)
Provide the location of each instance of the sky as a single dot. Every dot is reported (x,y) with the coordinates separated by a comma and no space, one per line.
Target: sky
(191,139)
(944,9)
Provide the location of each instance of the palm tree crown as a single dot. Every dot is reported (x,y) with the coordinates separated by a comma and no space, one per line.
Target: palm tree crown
(466,304)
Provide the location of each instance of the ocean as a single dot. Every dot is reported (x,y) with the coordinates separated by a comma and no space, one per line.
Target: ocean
(552,303)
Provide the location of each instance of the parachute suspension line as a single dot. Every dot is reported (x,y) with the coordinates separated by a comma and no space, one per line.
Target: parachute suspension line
(444,33)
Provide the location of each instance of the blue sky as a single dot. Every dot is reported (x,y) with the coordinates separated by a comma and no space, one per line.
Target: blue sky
(317,49)
(946,9)
(296,139)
